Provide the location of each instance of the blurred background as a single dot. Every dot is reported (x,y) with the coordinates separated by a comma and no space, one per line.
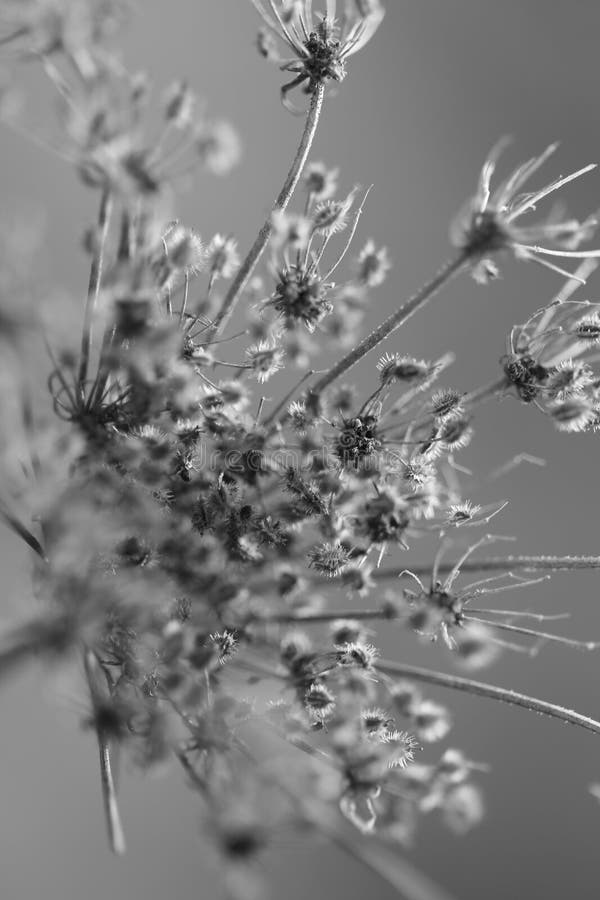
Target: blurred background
(419,110)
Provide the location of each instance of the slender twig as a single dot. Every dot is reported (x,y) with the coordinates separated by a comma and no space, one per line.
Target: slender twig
(246,269)
(501,563)
(383,861)
(360,615)
(94,289)
(397,318)
(17,526)
(116,837)
(492,692)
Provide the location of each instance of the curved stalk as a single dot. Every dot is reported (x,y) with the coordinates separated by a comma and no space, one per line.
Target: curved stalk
(490,691)
(247,268)
(372,340)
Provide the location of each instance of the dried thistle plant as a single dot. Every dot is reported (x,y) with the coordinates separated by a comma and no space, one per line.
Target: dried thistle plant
(189,536)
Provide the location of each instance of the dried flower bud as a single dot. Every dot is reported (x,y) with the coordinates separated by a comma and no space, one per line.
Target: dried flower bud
(328,559)
(403,369)
(460,513)
(573,415)
(347,631)
(319,181)
(357,654)
(331,216)
(319,700)
(405,695)
(431,721)
(373,265)
(133,315)
(222,256)
(463,808)
(290,231)
(445,404)
(475,646)
(218,147)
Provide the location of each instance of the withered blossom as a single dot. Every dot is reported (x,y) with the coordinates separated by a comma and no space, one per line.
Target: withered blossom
(492,220)
(319,43)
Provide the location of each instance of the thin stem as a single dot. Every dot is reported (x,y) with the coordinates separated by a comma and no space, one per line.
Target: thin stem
(490,691)
(503,563)
(94,289)
(532,632)
(190,771)
(17,526)
(372,340)
(246,269)
(320,617)
(116,837)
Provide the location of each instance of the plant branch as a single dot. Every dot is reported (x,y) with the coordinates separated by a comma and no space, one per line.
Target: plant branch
(500,564)
(116,837)
(246,269)
(404,312)
(94,289)
(490,691)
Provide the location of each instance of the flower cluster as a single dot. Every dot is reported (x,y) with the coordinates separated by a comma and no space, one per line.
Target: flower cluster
(550,363)
(319,44)
(194,538)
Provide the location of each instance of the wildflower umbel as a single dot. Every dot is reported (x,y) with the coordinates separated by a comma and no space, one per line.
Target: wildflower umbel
(492,222)
(319,44)
(195,536)
(549,359)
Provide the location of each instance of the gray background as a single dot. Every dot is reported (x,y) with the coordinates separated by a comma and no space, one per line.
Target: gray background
(419,110)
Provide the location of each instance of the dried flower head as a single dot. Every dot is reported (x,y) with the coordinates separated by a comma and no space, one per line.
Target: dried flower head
(218,146)
(372,265)
(491,222)
(328,559)
(222,256)
(265,359)
(319,46)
